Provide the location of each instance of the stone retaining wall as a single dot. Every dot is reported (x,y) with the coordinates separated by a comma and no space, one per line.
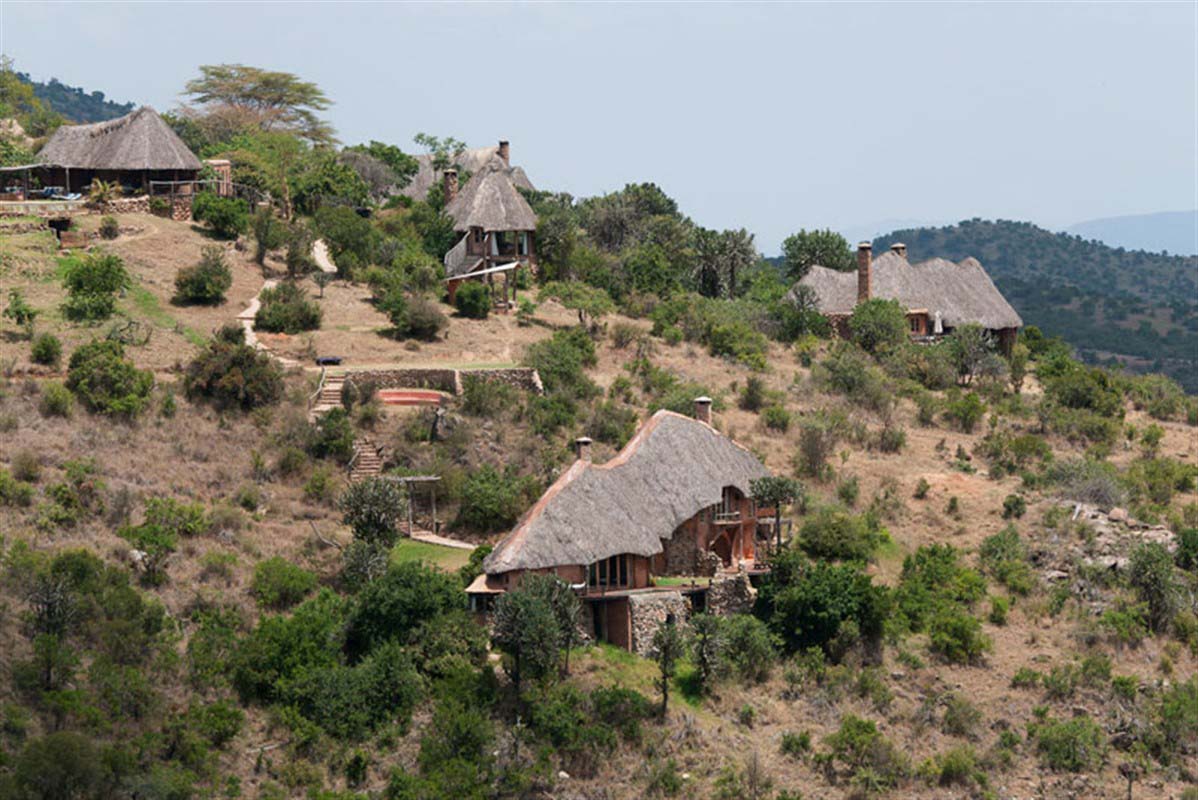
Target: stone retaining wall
(180,211)
(731,594)
(649,612)
(445,380)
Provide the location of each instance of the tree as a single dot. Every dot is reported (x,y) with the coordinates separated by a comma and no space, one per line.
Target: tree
(720,257)
(968,347)
(565,606)
(204,283)
(373,508)
(669,645)
(444,151)
(92,284)
(240,97)
(269,233)
(806,249)
(587,300)
(878,325)
(396,606)
(1151,575)
(707,648)
(776,491)
(106,382)
(528,630)
(231,374)
(59,766)
(402,165)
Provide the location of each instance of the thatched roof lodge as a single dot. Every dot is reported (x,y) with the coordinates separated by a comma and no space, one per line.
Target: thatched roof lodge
(676,500)
(131,150)
(938,295)
(472,160)
(496,224)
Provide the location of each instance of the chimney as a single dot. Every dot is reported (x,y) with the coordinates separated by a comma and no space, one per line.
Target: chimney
(864,278)
(505,151)
(582,448)
(899,249)
(449,182)
(703,409)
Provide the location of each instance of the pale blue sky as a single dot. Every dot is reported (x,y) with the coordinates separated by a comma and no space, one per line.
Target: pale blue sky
(767,116)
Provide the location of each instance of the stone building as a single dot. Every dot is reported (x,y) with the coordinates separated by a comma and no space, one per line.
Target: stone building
(674,503)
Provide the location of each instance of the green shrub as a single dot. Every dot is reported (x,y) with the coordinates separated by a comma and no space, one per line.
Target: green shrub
(204,283)
(92,283)
(332,436)
(485,398)
(999,608)
(934,582)
(957,767)
(494,500)
(1025,678)
(106,382)
(1075,745)
(1186,555)
(179,519)
(109,227)
(279,584)
(1150,573)
(776,418)
(878,325)
(287,309)
(282,648)
(396,605)
(796,744)
(817,440)
(231,374)
(834,533)
(866,753)
(751,652)
(270,232)
(46,349)
(20,312)
(1004,557)
(965,411)
(229,217)
(320,486)
(612,423)
(958,637)
(1013,506)
(922,488)
(14,492)
(891,439)
(561,361)
(473,300)
(373,508)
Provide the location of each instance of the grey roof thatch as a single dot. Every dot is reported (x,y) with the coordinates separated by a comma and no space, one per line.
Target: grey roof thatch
(472,161)
(458,262)
(490,201)
(672,469)
(140,140)
(962,293)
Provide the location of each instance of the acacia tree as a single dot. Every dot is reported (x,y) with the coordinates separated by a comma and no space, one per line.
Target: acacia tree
(239,97)
(777,491)
(587,300)
(803,250)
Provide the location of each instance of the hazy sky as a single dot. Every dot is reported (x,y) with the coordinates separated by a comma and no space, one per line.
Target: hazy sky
(767,116)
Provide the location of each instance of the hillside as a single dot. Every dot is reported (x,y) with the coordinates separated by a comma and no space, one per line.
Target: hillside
(74,102)
(1135,307)
(1173,232)
(1016,659)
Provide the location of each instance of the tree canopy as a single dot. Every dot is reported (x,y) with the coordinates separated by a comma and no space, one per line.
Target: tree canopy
(803,250)
(236,96)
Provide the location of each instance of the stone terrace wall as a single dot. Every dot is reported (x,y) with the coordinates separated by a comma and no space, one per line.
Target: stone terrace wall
(445,380)
(732,594)
(180,211)
(649,612)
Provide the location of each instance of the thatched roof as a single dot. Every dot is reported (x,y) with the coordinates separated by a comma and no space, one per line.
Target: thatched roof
(490,201)
(140,140)
(962,293)
(473,160)
(458,262)
(672,469)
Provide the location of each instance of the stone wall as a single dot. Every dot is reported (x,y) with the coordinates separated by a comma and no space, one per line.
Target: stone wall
(445,380)
(180,211)
(649,612)
(731,594)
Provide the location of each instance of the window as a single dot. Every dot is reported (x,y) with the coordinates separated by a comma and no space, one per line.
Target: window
(609,572)
(729,501)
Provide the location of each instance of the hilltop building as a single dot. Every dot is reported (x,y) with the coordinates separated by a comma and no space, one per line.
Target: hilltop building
(469,161)
(937,295)
(674,502)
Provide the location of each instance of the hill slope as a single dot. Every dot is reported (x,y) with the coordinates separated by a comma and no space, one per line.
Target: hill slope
(1170,231)
(74,103)
(1129,305)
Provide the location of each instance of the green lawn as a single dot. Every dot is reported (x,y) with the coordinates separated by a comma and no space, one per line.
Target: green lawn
(450,559)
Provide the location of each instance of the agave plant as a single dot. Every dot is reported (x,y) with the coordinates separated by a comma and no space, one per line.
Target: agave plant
(101,193)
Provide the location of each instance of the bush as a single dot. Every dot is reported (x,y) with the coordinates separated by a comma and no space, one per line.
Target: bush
(231,374)
(373,508)
(14,492)
(485,398)
(229,217)
(56,401)
(834,533)
(1004,557)
(1187,549)
(46,349)
(396,605)
(204,283)
(332,436)
(1013,506)
(270,233)
(817,439)
(958,637)
(425,320)
(561,360)
(933,581)
(279,584)
(282,648)
(106,382)
(109,227)
(63,765)
(965,411)
(92,284)
(287,309)
(878,325)
(891,439)
(749,647)
(1150,573)
(753,396)
(473,300)
(776,418)
(494,500)
(1075,745)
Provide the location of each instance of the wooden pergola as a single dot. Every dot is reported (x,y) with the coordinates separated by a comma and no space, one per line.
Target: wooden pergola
(412,481)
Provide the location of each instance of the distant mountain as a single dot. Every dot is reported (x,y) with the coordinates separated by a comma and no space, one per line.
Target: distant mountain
(74,103)
(1131,306)
(1171,231)
(869,231)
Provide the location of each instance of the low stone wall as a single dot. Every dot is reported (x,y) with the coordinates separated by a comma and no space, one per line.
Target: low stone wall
(180,211)
(649,612)
(731,594)
(445,380)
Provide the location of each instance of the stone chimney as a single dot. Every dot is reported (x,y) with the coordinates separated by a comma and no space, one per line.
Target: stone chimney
(865,256)
(703,409)
(582,448)
(899,249)
(505,151)
(449,182)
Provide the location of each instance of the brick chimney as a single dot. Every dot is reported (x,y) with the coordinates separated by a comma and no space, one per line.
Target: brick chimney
(899,249)
(505,151)
(703,409)
(582,448)
(864,271)
(449,182)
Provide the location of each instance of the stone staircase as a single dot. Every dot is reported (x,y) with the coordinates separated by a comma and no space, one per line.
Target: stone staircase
(367,461)
(329,396)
